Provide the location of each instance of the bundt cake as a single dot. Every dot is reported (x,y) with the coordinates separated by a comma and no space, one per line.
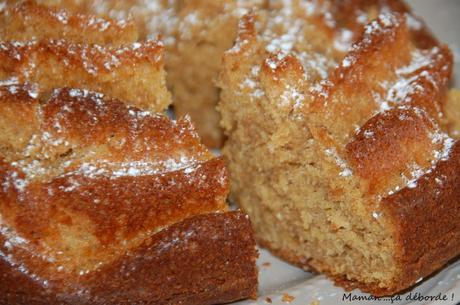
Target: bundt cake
(196,34)
(102,202)
(338,140)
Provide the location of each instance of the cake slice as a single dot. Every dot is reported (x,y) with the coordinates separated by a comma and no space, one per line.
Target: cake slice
(340,152)
(102,203)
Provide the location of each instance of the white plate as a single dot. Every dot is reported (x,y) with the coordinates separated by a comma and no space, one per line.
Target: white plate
(280,281)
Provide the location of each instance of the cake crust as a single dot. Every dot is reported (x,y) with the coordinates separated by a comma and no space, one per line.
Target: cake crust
(102,201)
(161,270)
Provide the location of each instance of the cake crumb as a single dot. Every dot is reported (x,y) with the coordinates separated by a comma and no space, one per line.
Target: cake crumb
(268,300)
(315,302)
(266,264)
(287,298)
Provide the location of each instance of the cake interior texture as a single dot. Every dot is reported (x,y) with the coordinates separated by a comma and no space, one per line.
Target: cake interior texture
(338,139)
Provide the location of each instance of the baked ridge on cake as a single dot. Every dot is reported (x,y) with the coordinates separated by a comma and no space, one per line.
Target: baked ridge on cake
(27,20)
(102,203)
(340,152)
(54,48)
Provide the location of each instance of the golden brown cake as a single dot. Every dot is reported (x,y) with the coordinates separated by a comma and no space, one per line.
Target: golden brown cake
(101,203)
(196,33)
(60,49)
(338,144)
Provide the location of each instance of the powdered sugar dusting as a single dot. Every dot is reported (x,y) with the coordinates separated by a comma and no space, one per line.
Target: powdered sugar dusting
(410,77)
(292,95)
(51,153)
(115,170)
(416,172)
(383,24)
(344,40)
(251,83)
(158,16)
(346,171)
(285,34)
(14,86)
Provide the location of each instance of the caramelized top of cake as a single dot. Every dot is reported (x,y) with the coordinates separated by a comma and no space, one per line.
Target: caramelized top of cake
(85,178)
(371,94)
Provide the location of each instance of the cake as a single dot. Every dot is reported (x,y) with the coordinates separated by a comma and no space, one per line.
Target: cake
(196,34)
(339,144)
(102,203)
(103,199)
(59,49)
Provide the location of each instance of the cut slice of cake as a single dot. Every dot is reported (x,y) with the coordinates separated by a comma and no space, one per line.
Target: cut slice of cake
(339,152)
(101,203)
